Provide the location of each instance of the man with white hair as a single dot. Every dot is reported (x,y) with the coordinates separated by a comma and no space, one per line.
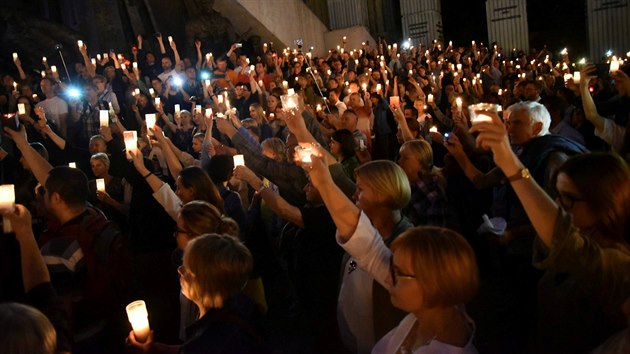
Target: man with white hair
(527,124)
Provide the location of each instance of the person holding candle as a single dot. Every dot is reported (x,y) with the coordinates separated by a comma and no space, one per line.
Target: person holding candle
(114,200)
(56,109)
(408,268)
(580,242)
(215,270)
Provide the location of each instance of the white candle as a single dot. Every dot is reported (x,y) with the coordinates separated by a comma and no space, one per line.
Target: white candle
(290,92)
(7,197)
(261,84)
(103,115)
(131,142)
(394,101)
(433,129)
(177,108)
(170,39)
(150,119)
(304,153)
(100,185)
(93,61)
(134,65)
(21,109)
(151,92)
(139,319)
(207,83)
(198,108)
(123,66)
(567,76)
(136,92)
(285,84)
(614,65)
(15,56)
(239,160)
(98,57)
(459,102)
(220,98)
(208,57)
(318,108)
(80,43)
(378,88)
(481,118)
(208,112)
(72,165)
(157,101)
(53,69)
(430,98)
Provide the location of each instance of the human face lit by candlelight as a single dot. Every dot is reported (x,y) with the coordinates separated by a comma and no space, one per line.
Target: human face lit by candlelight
(571,200)
(98,168)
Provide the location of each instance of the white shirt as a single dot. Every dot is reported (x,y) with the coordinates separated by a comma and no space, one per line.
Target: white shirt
(54,107)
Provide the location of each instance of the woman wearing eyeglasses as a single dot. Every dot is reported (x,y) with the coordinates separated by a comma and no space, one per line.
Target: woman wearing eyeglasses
(215,270)
(580,243)
(428,271)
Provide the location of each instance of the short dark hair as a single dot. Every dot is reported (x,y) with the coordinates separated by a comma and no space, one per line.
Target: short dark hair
(345,138)
(70,183)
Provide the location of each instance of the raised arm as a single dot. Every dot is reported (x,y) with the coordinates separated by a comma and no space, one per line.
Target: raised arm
(278,204)
(541,209)
(590,111)
(39,166)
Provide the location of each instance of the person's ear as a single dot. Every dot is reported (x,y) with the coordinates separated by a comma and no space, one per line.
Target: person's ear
(537,128)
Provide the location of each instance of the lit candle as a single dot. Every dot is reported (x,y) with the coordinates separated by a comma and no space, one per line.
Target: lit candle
(285,84)
(318,108)
(119,56)
(15,56)
(98,57)
(100,184)
(362,144)
(208,56)
(239,160)
(150,119)
(480,118)
(170,39)
(430,98)
(93,61)
(433,129)
(614,65)
(378,88)
(304,154)
(344,39)
(459,67)
(151,92)
(7,197)
(103,115)
(131,142)
(261,84)
(364,86)
(53,69)
(220,98)
(208,112)
(157,101)
(139,319)
(123,66)
(72,165)
(567,76)
(252,68)
(198,108)
(410,72)
(21,109)
(80,43)
(394,101)
(134,65)
(459,102)
(177,108)
(290,92)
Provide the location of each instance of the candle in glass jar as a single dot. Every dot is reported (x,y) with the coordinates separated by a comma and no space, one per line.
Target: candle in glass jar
(139,319)
(576,77)
(100,184)
(103,115)
(170,39)
(239,160)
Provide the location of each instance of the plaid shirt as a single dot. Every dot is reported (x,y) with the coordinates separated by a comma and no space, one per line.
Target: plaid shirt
(428,204)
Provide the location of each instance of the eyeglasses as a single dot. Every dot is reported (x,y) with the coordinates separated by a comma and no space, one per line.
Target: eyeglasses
(567,201)
(396,274)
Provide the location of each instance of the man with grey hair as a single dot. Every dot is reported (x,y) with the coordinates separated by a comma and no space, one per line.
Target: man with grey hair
(527,124)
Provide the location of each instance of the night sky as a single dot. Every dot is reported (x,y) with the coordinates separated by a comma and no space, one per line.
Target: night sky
(557,23)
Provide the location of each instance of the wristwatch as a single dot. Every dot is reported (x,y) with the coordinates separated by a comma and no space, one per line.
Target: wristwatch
(523,173)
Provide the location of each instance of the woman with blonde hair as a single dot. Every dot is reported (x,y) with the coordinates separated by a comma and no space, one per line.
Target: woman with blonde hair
(257,113)
(214,271)
(428,205)
(428,272)
(24,329)
(364,311)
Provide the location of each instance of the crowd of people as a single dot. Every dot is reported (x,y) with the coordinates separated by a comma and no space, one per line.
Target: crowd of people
(273,201)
